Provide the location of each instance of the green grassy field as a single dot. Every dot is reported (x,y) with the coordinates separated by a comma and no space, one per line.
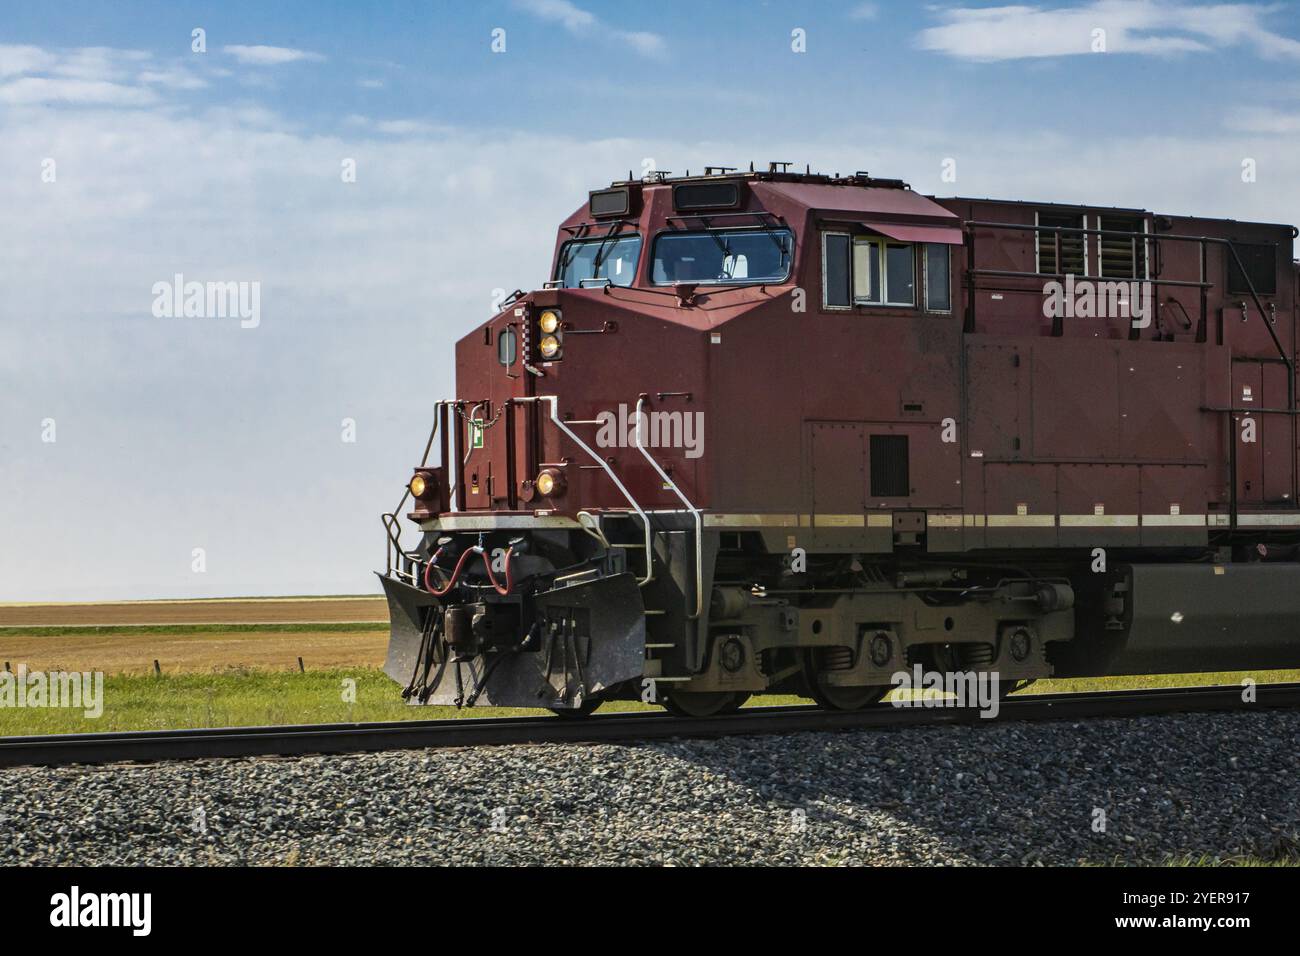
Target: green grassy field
(240,697)
(235,698)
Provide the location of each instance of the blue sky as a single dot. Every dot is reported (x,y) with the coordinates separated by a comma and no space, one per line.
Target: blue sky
(175,434)
(706,62)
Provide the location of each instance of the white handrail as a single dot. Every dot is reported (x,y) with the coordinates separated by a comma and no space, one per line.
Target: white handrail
(695,513)
(645,519)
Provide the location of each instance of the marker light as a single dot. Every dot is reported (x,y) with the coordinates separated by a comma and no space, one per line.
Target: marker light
(549,483)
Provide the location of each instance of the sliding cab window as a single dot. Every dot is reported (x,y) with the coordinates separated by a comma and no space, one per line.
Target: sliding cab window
(874,270)
(938,281)
(723,257)
(595,261)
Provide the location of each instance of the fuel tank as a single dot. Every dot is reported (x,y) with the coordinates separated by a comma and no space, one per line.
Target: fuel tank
(1189,618)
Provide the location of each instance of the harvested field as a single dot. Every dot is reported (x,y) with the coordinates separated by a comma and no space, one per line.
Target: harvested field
(298,610)
(197,651)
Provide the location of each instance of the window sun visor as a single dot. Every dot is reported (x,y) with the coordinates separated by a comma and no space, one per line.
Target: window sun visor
(949,235)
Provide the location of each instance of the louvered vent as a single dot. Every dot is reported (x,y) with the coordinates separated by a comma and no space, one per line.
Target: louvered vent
(1122,258)
(889,477)
(1072,246)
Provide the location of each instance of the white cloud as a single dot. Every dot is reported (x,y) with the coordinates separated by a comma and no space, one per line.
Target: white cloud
(864,11)
(582,22)
(38,89)
(98,63)
(368,83)
(269,55)
(24,59)
(172,79)
(1261,119)
(403,127)
(572,17)
(394,127)
(88,76)
(1159,27)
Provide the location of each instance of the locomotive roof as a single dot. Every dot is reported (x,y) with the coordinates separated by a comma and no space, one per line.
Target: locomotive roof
(861,193)
(772,175)
(853,195)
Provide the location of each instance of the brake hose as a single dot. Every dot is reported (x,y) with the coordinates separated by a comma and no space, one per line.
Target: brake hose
(460,566)
(510,577)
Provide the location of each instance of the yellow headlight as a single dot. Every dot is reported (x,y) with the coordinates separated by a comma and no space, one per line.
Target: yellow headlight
(418,486)
(545,483)
(549,321)
(549,346)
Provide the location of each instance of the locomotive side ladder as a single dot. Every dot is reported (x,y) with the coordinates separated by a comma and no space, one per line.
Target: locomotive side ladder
(594,523)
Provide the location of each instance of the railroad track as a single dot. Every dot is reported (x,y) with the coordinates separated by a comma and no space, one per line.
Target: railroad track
(300,740)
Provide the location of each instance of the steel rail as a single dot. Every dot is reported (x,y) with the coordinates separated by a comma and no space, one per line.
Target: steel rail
(301,740)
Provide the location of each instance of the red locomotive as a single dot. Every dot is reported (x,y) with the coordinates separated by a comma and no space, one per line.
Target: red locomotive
(779,432)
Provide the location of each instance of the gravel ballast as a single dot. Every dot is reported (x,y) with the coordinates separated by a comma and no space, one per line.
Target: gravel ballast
(1130,791)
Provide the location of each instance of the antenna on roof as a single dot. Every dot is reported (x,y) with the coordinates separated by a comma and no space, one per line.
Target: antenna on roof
(807,169)
(751,165)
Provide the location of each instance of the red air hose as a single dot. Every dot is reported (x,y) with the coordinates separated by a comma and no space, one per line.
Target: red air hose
(510,577)
(455,574)
(460,566)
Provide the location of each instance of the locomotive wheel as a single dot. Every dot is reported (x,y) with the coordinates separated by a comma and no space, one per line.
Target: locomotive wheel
(697,703)
(585,709)
(831,697)
(737,701)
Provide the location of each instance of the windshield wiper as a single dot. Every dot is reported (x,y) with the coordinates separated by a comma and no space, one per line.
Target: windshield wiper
(573,247)
(600,251)
(771,234)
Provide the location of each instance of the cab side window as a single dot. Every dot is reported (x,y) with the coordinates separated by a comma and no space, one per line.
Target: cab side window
(837,277)
(875,270)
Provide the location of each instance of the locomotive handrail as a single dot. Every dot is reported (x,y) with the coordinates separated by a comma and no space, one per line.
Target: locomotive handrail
(645,519)
(391,521)
(695,512)
(392,524)
(1145,237)
(1013,274)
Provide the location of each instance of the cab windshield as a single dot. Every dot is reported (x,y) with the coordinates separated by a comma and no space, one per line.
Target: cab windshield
(723,256)
(593,261)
